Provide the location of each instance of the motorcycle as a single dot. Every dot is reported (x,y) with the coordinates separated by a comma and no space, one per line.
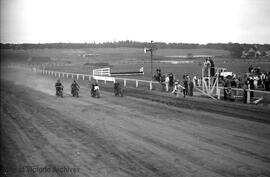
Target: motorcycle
(75,92)
(95,91)
(59,92)
(118,90)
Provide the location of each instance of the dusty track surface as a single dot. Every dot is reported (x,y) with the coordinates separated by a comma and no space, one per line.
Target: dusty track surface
(138,135)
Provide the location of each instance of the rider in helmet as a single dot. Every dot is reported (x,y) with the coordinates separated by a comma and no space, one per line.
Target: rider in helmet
(58,85)
(75,86)
(116,85)
(96,86)
(117,88)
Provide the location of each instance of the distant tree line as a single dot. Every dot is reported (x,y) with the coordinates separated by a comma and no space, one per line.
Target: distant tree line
(234,48)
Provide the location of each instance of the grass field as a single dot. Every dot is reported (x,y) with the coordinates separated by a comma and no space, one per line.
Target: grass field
(131,59)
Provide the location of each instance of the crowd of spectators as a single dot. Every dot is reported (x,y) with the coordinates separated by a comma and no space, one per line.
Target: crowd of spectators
(171,84)
(253,79)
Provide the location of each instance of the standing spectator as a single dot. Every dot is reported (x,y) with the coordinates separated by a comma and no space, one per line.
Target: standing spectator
(171,80)
(262,78)
(206,66)
(267,82)
(252,87)
(158,76)
(227,88)
(246,86)
(200,82)
(162,81)
(195,81)
(250,69)
(167,80)
(186,87)
(255,80)
(191,86)
(212,67)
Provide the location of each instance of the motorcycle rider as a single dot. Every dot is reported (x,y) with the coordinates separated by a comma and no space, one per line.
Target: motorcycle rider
(74,86)
(59,86)
(94,89)
(117,88)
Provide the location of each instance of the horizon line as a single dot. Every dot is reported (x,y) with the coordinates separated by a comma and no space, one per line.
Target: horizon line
(96,43)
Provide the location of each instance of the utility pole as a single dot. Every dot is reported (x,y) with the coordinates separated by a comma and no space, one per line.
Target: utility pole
(151,51)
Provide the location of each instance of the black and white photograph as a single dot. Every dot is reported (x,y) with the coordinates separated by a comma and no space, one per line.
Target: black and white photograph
(135,88)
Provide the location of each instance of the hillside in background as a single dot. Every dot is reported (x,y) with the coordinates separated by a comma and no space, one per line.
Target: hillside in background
(235,49)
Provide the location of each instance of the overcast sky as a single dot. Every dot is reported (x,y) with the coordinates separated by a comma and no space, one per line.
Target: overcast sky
(187,21)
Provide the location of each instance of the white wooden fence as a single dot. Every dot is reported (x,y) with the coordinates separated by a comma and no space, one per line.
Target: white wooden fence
(102,72)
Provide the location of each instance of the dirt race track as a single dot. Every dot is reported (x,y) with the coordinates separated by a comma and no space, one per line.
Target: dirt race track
(139,135)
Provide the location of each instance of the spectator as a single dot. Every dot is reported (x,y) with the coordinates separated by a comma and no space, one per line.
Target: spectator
(227,88)
(206,66)
(212,67)
(252,86)
(191,86)
(162,81)
(195,81)
(267,82)
(200,82)
(177,89)
(185,91)
(250,69)
(171,80)
(167,80)
(246,86)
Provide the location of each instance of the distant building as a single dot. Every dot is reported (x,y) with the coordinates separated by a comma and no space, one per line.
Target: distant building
(252,52)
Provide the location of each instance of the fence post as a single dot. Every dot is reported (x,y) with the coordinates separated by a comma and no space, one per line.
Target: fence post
(218,93)
(71,75)
(83,77)
(89,78)
(151,85)
(125,82)
(248,96)
(137,84)
(77,76)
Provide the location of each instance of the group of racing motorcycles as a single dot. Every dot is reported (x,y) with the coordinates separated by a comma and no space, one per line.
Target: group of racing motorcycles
(75,87)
